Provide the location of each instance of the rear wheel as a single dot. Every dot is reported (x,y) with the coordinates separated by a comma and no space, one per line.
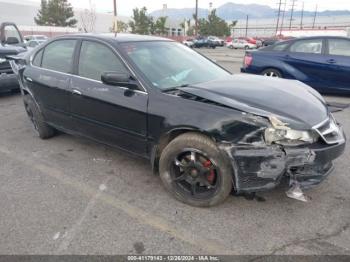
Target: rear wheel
(43,130)
(270,72)
(195,171)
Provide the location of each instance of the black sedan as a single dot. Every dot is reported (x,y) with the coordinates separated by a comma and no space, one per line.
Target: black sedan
(320,62)
(205,131)
(205,42)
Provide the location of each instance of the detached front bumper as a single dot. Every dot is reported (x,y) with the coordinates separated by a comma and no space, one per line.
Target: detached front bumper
(259,168)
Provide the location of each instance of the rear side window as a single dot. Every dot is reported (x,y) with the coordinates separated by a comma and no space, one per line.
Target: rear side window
(339,47)
(58,56)
(96,58)
(37,58)
(280,47)
(312,46)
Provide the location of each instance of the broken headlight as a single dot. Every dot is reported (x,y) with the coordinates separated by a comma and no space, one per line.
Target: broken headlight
(280,133)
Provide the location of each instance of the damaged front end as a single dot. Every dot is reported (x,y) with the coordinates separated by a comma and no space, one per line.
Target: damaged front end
(275,151)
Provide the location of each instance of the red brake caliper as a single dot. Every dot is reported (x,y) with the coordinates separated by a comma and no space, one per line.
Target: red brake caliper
(211,175)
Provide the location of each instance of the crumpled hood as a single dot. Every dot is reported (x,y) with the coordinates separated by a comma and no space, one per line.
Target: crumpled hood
(291,101)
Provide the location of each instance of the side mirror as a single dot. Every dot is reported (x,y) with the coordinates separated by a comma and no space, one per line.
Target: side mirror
(115,78)
(12,41)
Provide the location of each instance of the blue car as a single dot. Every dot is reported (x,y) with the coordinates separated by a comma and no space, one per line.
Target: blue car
(320,62)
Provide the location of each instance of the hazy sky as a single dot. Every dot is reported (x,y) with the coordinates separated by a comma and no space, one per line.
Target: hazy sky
(125,6)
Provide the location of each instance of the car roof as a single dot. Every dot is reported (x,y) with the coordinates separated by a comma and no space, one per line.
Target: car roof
(317,37)
(120,38)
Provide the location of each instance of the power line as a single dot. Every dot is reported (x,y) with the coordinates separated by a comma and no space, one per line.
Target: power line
(115,17)
(278,16)
(302,17)
(284,12)
(313,24)
(291,14)
(246,26)
(196,18)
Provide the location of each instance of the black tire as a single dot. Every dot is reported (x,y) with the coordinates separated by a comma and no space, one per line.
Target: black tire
(246,47)
(271,72)
(206,146)
(43,130)
(230,46)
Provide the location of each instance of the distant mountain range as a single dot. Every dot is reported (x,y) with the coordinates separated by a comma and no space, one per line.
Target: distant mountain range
(232,11)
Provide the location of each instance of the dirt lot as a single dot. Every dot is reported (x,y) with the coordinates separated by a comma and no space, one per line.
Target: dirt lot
(68,195)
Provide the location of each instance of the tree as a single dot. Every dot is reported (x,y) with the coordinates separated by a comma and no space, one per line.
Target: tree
(42,16)
(141,24)
(232,26)
(122,27)
(161,25)
(88,18)
(56,13)
(183,25)
(190,29)
(213,25)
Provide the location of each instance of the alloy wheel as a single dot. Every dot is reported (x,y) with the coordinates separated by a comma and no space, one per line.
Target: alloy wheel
(195,175)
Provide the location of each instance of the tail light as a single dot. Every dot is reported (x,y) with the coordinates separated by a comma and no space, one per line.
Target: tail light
(248,60)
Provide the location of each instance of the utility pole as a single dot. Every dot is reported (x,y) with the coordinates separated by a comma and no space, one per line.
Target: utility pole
(291,14)
(302,17)
(278,16)
(196,18)
(246,26)
(313,24)
(115,21)
(284,12)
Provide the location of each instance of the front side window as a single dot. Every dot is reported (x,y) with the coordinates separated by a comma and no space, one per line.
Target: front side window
(339,47)
(58,56)
(95,59)
(170,64)
(312,46)
(37,58)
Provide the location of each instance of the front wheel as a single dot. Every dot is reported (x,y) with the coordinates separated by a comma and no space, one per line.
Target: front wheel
(195,171)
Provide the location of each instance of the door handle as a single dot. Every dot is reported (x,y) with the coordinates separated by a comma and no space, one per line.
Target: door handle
(77,92)
(331,61)
(28,79)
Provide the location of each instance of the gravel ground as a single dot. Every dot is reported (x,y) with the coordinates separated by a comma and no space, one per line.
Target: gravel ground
(68,195)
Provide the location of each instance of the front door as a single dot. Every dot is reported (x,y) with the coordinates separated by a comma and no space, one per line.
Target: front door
(113,115)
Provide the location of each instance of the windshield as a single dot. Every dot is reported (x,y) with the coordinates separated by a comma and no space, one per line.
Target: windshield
(169,64)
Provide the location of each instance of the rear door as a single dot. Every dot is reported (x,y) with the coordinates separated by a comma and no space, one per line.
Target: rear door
(308,62)
(338,60)
(114,115)
(48,78)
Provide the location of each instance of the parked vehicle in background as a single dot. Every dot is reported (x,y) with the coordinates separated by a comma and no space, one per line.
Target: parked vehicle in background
(34,43)
(205,130)
(216,41)
(11,43)
(189,42)
(36,37)
(241,44)
(204,42)
(321,62)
